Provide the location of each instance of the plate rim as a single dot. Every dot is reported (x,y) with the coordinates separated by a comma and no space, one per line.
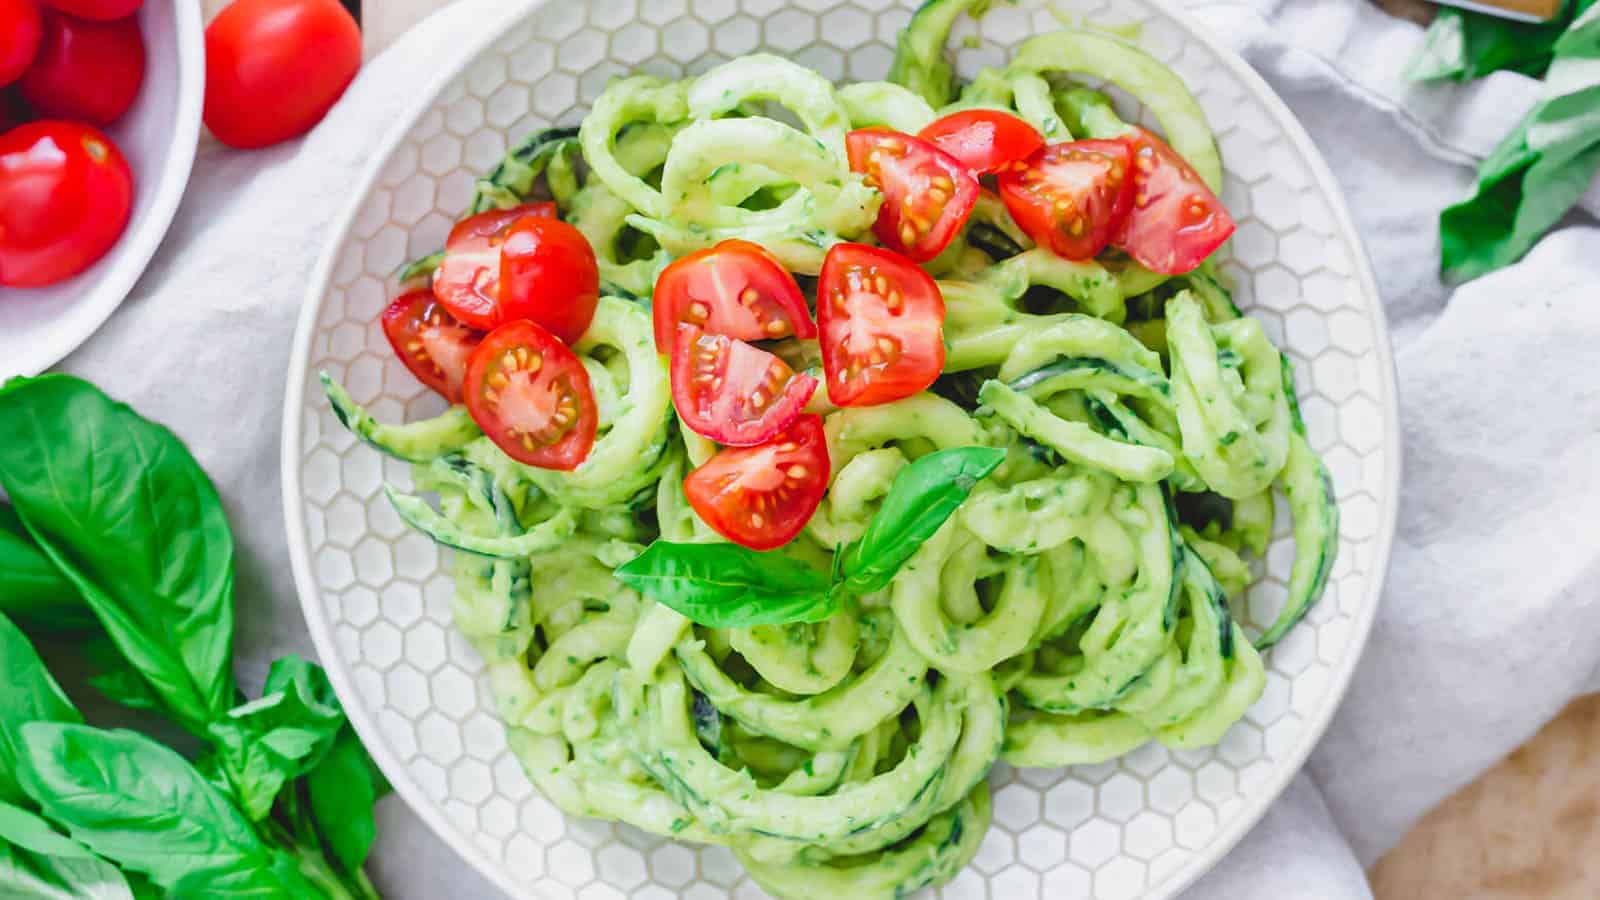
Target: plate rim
(313,607)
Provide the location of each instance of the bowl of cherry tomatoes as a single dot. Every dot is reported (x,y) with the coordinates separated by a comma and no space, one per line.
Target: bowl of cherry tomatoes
(100,108)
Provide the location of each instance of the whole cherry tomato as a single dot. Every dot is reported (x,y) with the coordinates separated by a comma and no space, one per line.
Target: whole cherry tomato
(65,197)
(21,27)
(88,71)
(275,67)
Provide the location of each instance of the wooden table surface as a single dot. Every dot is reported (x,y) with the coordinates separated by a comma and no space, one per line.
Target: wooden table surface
(1527,830)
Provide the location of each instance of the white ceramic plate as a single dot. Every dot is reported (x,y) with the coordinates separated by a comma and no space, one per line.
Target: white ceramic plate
(39,326)
(377,598)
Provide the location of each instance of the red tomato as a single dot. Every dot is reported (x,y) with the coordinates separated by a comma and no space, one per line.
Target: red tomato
(468,281)
(984,140)
(548,274)
(1175,221)
(1070,197)
(65,196)
(275,67)
(99,10)
(21,28)
(432,344)
(732,392)
(762,496)
(927,193)
(88,71)
(532,397)
(735,289)
(882,323)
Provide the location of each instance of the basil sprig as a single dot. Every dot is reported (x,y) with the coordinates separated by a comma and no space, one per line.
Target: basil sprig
(729,586)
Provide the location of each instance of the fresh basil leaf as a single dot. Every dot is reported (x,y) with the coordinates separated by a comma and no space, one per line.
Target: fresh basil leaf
(126,515)
(24,873)
(25,829)
(135,802)
(276,876)
(1539,171)
(342,792)
(266,743)
(923,496)
(31,590)
(29,695)
(1462,45)
(115,678)
(729,586)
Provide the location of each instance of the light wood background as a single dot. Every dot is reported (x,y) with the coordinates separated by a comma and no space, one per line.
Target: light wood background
(1529,829)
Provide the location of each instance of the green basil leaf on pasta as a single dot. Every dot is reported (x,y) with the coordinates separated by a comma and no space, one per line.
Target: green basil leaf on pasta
(728,586)
(30,695)
(127,516)
(923,496)
(268,742)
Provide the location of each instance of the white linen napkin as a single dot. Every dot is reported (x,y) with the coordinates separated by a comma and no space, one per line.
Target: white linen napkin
(1492,599)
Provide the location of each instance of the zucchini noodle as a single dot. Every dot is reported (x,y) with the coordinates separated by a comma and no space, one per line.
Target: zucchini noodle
(1074,608)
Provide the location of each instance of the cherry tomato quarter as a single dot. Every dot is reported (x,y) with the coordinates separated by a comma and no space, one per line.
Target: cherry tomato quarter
(548,274)
(531,395)
(98,10)
(1070,197)
(927,193)
(735,289)
(21,29)
(882,326)
(734,393)
(87,71)
(983,140)
(1175,220)
(275,67)
(762,496)
(431,343)
(65,197)
(468,281)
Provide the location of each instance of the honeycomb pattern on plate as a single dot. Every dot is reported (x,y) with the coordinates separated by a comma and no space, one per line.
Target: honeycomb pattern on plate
(378,596)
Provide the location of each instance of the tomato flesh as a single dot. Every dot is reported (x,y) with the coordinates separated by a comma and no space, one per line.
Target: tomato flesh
(882,324)
(21,28)
(927,193)
(65,196)
(531,395)
(734,393)
(762,496)
(735,289)
(984,140)
(1070,197)
(101,10)
(85,71)
(1175,221)
(468,281)
(275,67)
(548,274)
(431,343)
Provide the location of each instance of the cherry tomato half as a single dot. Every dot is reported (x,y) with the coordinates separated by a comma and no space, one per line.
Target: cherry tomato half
(87,71)
(431,343)
(882,324)
(531,396)
(468,281)
(548,274)
(927,193)
(99,10)
(275,67)
(734,393)
(735,289)
(984,140)
(1070,197)
(1175,221)
(762,496)
(65,197)
(21,28)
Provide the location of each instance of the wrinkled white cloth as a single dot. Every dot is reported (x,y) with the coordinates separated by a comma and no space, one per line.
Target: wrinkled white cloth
(1494,592)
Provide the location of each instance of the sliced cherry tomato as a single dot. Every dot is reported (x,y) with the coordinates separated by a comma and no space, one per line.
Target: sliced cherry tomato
(1175,221)
(432,344)
(762,496)
(65,196)
(275,67)
(468,281)
(735,289)
(984,140)
(734,393)
(86,71)
(99,10)
(548,274)
(21,28)
(1070,197)
(531,396)
(882,323)
(927,193)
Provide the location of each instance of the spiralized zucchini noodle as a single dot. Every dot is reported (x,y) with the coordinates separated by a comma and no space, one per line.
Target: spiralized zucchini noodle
(1076,607)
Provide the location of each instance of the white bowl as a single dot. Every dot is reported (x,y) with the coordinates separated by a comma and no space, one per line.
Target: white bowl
(39,326)
(377,598)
